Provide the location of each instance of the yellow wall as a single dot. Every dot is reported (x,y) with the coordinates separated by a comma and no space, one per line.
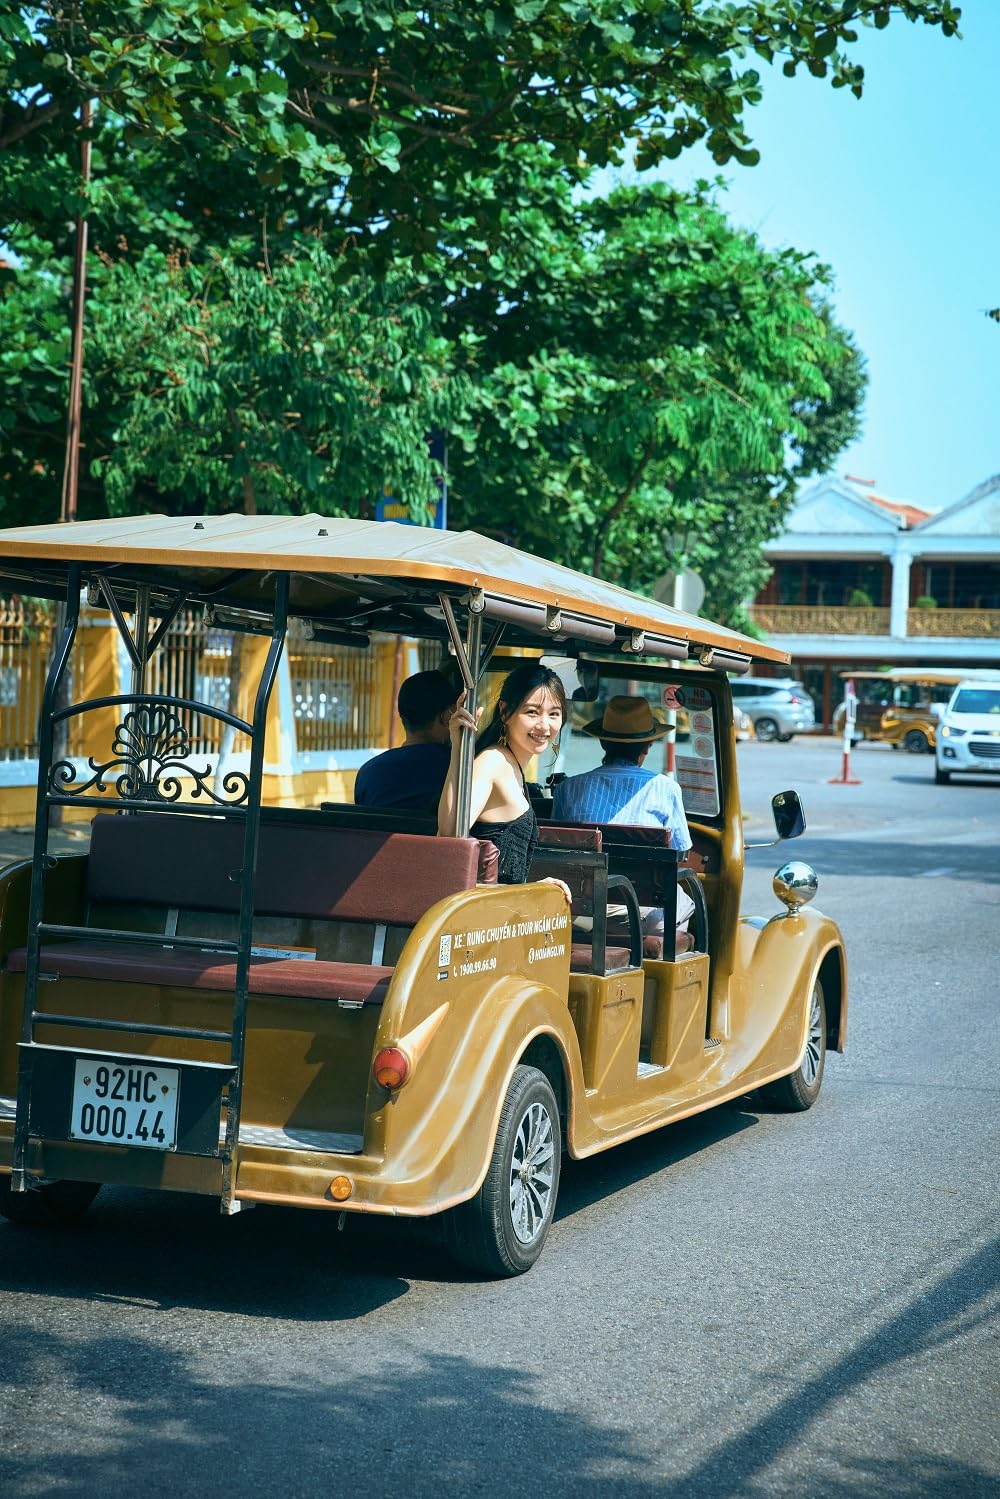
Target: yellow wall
(98,665)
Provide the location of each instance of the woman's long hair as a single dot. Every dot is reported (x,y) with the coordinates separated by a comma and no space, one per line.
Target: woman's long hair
(520,684)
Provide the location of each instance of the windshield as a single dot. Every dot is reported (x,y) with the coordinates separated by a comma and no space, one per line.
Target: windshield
(977,700)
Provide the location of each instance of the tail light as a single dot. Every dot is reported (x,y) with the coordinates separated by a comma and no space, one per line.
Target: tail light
(391,1067)
(793,699)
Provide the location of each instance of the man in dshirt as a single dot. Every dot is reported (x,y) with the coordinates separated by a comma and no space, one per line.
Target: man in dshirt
(622,790)
(411,777)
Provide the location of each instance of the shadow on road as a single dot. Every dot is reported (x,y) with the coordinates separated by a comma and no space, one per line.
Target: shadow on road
(880,858)
(443,1423)
(600,1177)
(282,1263)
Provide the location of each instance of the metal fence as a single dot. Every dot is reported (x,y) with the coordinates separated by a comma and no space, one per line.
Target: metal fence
(195,661)
(340,694)
(25,642)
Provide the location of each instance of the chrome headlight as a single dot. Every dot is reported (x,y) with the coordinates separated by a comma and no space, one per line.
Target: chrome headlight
(796,884)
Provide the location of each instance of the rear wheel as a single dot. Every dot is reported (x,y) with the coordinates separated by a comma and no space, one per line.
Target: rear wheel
(52,1204)
(916,742)
(766,729)
(501,1231)
(800,1090)
(784,738)
(941,777)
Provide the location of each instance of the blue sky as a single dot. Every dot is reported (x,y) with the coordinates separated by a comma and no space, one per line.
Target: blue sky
(898,193)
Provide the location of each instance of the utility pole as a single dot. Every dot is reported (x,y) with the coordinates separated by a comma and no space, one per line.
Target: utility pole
(71,467)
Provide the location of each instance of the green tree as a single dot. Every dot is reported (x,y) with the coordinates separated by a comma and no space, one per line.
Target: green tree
(390,110)
(428,157)
(645,370)
(227,387)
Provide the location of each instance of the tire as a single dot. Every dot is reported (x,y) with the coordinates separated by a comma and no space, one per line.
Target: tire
(55,1204)
(502,1230)
(784,738)
(916,742)
(941,777)
(800,1089)
(698,924)
(766,729)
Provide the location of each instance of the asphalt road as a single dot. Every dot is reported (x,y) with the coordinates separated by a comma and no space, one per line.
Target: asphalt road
(747,1304)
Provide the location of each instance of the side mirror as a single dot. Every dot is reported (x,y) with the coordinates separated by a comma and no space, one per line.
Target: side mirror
(789,818)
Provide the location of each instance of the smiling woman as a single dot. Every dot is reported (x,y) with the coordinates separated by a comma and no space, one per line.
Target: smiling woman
(528,718)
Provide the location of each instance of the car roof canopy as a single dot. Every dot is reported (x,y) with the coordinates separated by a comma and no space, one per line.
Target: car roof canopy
(354,576)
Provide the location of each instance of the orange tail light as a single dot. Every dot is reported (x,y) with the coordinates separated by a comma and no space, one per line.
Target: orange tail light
(391,1067)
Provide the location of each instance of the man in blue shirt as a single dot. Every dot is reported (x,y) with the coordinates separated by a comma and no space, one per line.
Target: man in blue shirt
(411,777)
(621,790)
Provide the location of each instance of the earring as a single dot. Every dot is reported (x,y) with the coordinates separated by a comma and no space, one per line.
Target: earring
(502,741)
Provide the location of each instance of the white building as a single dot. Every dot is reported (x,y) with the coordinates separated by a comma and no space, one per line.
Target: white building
(861,581)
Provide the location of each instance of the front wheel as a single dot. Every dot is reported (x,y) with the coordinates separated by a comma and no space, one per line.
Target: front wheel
(54,1204)
(941,777)
(502,1229)
(766,729)
(800,1090)
(784,738)
(916,742)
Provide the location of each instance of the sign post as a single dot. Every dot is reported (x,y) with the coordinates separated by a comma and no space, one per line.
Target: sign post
(850,718)
(389,508)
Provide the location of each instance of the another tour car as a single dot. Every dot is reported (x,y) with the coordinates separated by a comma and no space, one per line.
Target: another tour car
(334,1008)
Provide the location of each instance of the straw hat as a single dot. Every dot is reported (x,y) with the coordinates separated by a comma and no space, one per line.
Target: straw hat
(627,720)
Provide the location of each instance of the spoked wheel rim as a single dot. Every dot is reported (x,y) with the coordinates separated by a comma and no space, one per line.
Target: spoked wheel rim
(814,1042)
(532,1173)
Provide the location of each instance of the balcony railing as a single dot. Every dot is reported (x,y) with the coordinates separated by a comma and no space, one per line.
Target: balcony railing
(965,624)
(819,619)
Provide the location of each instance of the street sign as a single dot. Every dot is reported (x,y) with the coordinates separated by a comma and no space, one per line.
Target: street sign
(390,508)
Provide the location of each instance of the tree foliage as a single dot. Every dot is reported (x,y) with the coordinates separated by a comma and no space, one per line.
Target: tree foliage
(322,232)
(231,387)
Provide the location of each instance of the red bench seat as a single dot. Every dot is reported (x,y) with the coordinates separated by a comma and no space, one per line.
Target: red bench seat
(189,968)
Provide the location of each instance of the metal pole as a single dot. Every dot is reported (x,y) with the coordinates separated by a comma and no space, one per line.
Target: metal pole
(474,642)
(140,637)
(71,467)
(850,717)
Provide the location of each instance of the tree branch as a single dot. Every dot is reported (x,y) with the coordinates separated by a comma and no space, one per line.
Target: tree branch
(606,522)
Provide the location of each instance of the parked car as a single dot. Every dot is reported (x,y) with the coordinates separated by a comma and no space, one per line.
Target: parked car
(742,724)
(778,707)
(969,737)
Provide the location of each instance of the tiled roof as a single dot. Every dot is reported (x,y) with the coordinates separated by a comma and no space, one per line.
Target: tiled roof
(910,514)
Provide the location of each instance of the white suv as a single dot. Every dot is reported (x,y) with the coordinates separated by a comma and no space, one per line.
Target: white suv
(968,739)
(777,706)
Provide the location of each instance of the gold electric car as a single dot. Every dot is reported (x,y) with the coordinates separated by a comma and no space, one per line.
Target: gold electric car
(334,1008)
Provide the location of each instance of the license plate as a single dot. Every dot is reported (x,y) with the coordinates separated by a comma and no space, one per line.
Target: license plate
(125,1103)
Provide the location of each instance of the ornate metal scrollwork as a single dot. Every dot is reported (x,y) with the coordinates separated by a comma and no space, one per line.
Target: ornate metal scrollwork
(150,748)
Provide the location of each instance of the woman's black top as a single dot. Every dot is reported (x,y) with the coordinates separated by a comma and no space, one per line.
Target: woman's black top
(516,843)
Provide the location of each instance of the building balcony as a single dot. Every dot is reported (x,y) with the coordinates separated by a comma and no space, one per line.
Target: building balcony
(960,624)
(824,619)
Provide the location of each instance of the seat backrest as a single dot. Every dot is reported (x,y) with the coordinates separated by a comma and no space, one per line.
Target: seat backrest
(569,835)
(350,874)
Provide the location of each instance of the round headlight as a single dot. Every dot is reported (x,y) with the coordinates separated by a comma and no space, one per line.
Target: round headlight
(795,883)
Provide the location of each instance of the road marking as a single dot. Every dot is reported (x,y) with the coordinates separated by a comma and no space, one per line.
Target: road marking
(931,874)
